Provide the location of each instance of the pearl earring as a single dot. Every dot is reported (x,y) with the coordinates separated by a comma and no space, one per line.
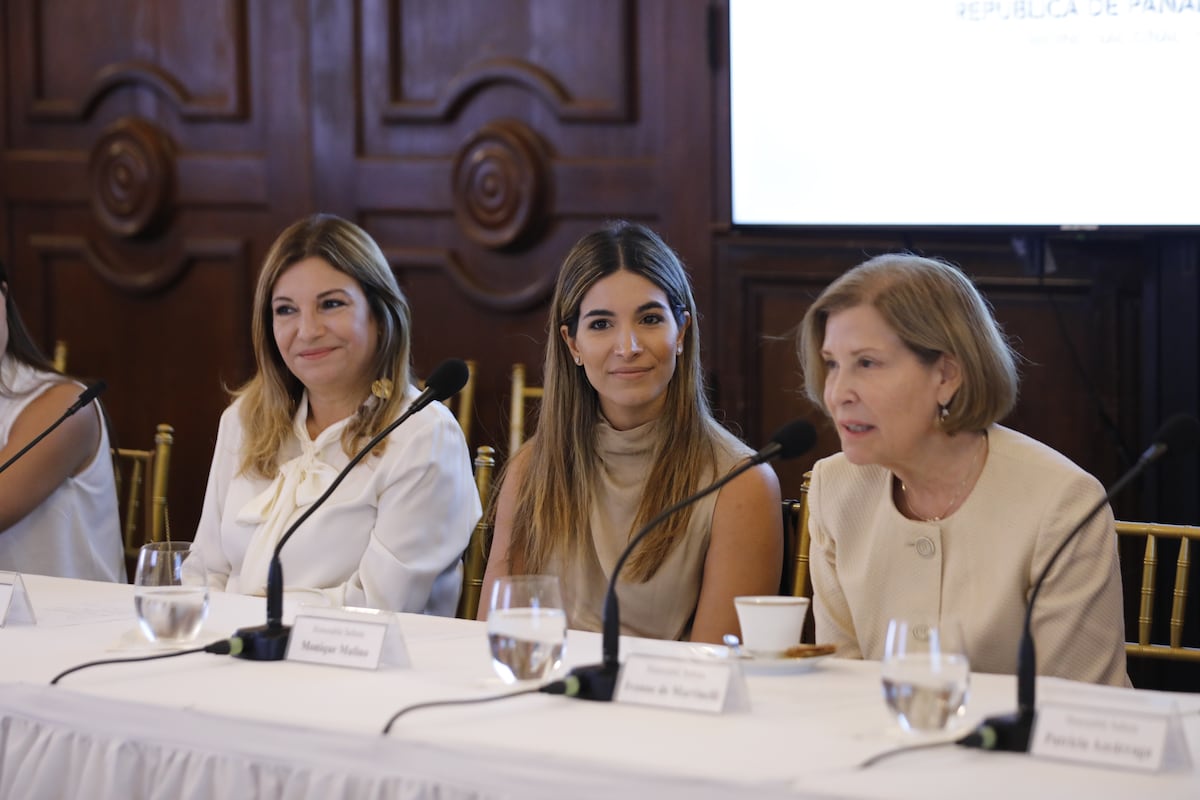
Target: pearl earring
(578,361)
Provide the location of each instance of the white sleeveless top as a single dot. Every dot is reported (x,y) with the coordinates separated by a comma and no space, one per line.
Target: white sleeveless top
(75,532)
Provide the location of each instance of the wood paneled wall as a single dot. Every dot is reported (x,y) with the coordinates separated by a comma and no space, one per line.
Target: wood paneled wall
(150,150)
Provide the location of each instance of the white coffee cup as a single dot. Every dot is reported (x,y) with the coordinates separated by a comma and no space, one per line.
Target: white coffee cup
(770,623)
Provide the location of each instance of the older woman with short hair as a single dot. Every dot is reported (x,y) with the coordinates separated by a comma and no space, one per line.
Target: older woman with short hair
(933,510)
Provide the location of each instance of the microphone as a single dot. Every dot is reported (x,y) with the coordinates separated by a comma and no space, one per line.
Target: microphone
(269,642)
(1011,732)
(86,396)
(599,681)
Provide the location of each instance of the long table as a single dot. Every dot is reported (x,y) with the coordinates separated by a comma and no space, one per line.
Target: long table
(202,725)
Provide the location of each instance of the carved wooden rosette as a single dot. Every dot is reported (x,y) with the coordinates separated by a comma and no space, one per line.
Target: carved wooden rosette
(131,172)
(501,185)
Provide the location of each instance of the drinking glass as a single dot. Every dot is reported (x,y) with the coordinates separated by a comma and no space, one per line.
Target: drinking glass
(527,627)
(925,673)
(169,609)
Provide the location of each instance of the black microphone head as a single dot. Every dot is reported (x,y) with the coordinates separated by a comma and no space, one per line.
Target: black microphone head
(795,438)
(1179,434)
(92,392)
(447,378)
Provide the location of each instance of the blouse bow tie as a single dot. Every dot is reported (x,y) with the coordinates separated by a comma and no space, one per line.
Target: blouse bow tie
(298,484)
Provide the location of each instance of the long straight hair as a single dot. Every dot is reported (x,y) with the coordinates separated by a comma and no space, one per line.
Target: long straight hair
(551,519)
(271,398)
(21,346)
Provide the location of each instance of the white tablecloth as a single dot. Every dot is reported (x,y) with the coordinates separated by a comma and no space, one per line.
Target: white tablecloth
(211,726)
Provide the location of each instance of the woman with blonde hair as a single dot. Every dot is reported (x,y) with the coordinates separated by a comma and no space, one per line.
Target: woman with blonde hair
(331,336)
(58,502)
(624,431)
(933,511)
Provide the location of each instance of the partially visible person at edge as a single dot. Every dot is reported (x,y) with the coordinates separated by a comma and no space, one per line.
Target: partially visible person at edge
(932,510)
(625,431)
(58,502)
(331,336)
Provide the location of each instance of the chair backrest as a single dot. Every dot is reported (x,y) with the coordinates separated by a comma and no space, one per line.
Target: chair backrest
(60,356)
(1153,533)
(521,394)
(476,555)
(796,543)
(463,403)
(144,506)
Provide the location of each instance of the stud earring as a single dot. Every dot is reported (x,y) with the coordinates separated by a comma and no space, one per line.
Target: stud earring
(578,361)
(679,350)
(382,388)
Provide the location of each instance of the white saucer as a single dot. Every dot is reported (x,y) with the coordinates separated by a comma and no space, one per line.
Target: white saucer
(780,665)
(761,665)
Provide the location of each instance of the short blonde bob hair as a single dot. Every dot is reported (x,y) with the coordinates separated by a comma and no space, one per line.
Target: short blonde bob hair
(935,309)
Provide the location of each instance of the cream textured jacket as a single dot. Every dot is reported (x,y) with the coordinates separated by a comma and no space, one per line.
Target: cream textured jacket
(978,566)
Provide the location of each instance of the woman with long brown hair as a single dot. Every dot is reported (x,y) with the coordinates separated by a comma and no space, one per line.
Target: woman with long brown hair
(624,431)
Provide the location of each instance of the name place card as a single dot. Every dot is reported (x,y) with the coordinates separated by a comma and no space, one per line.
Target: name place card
(1111,737)
(711,687)
(363,638)
(15,608)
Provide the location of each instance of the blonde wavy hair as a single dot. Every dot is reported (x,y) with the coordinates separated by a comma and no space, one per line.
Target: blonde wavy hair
(270,399)
(551,519)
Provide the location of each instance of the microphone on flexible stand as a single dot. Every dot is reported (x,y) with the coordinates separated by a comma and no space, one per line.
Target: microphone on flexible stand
(1011,732)
(86,396)
(269,642)
(599,681)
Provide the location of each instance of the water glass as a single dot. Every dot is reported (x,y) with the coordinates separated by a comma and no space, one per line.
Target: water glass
(169,609)
(527,627)
(925,673)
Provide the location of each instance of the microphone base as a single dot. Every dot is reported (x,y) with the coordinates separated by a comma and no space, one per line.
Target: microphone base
(264,642)
(1009,733)
(595,682)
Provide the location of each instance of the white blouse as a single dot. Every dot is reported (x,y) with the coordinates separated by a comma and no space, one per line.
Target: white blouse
(391,535)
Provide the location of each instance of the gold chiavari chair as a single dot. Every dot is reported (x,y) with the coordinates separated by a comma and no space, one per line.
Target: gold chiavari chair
(1153,533)
(60,356)
(144,507)
(476,555)
(463,401)
(795,580)
(796,543)
(521,394)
